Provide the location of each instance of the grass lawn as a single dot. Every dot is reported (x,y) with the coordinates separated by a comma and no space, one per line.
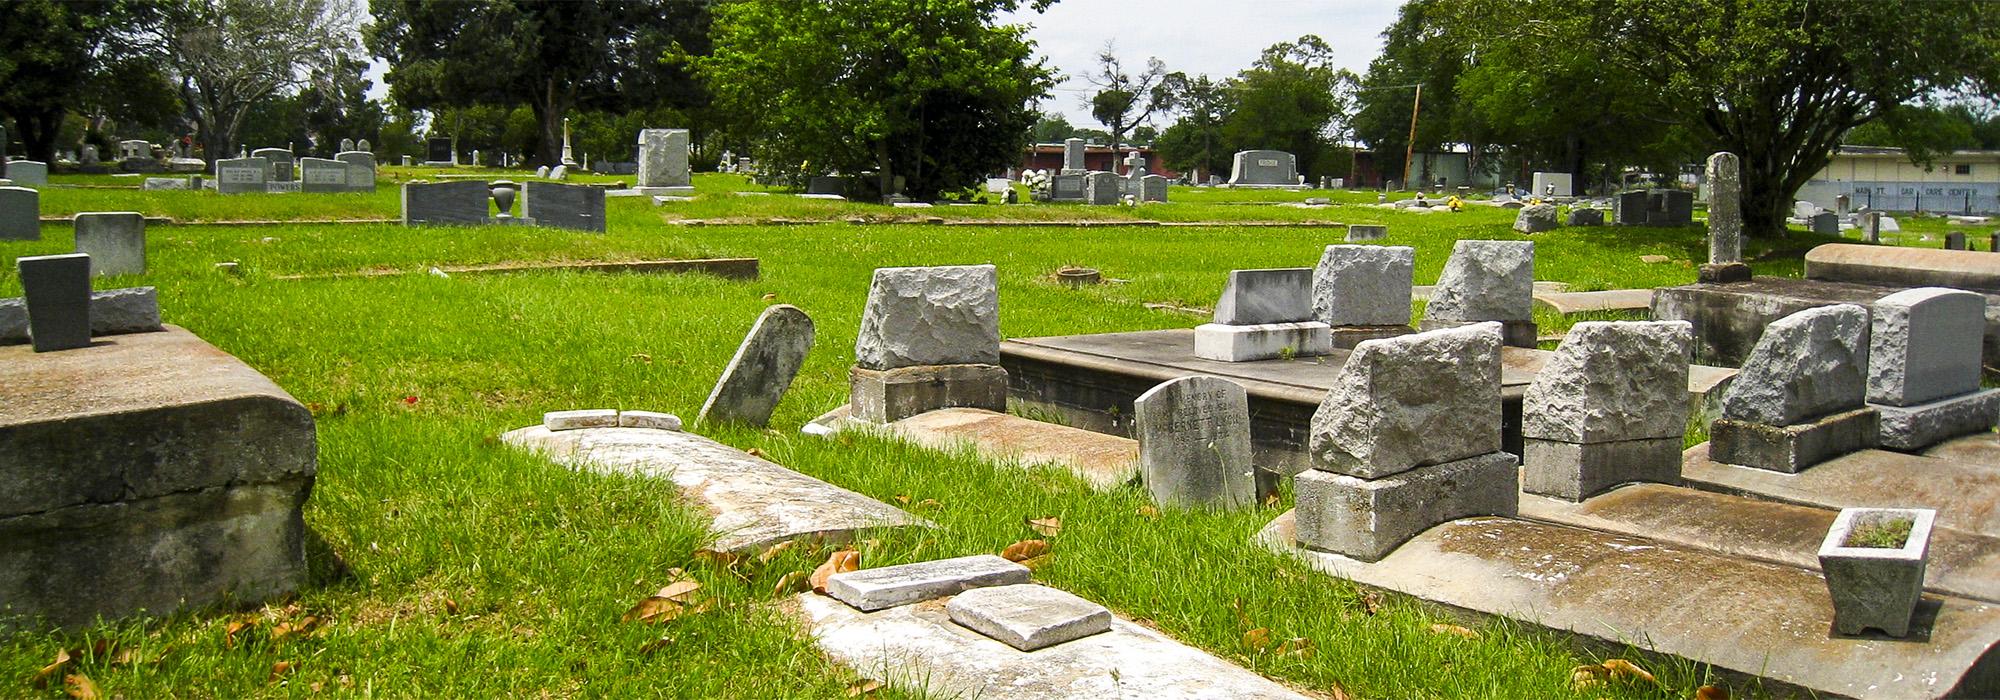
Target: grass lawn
(453,566)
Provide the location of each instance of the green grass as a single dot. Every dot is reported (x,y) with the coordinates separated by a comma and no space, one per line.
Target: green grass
(454,566)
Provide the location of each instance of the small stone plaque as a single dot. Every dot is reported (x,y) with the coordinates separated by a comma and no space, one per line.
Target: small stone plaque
(57,290)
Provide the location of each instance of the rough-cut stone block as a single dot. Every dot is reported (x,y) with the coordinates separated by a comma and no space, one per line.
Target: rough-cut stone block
(930,316)
(1411,401)
(1585,217)
(1536,218)
(1876,587)
(1912,428)
(1368,518)
(112,312)
(1028,616)
(1924,344)
(582,418)
(887,396)
(1792,448)
(1194,442)
(115,242)
(146,475)
(1575,471)
(1214,341)
(1609,381)
(1513,334)
(1366,232)
(1807,365)
(649,419)
(1251,297)
(763,368)
(1363,285)
(1486,281)
(890,586)
(57,291)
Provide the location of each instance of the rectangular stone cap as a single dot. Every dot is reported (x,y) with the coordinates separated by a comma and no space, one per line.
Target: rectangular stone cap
(122,374)
(890,586)
(1028,616)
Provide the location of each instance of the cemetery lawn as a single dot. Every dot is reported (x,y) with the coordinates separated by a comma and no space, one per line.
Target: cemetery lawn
(447,564)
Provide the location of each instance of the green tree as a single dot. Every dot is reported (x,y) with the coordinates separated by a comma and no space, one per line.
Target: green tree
(1194,143)
(1424,47)
(1927,131)
(54,51)
(554,57)
(1123,100)
(1288,100)
(226,56)
(936,92)
(1051,128)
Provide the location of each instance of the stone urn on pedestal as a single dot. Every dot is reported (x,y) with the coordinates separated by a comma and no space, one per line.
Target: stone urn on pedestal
(503,198)
(1874,561)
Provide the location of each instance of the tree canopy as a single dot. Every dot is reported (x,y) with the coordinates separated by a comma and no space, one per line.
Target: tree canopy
(52,51)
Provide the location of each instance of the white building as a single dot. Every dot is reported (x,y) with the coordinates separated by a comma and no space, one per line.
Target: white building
(1884,179)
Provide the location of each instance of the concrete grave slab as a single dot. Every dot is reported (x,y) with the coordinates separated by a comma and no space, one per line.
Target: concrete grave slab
(753,503)
(1104,461)
(581,418)
(874,589)
(1964,493)
(1570,303)
(1027,616)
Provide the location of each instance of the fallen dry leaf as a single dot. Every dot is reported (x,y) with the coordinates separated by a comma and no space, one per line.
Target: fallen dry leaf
(278,670)
(1036,563)
(652,609)
(1336,692)
(903,498)
(1025,550)
(1711,692)
(1442,628)
(1271,500)
(1583,678)
(771,296)
(1623,669)
(62,660)
(241,623)
(81,687)
(929,503)
(450,606)
(305,624)
(1299,647)
(793,582)
(863,687)
(754,452)
(679,591)
(839,562)
(1371,602)
(1257,639)
(1046,527)
(1149,512)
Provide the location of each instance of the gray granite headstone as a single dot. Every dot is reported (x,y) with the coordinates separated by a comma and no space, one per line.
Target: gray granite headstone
(115,241)
(1101,188)
(1725,209)
(363,146)
(1806,365)
(1825,223)
(28,173)
(542,171)
(1153,188)
(559,205)
(1073,161)
(1278,295)
(930,316)
(238,175)
(281,162)
(458,202)
(762,369)
(1411,401)
(20,214)
(1536,218)
(1585,216)
(1363,285)
(560,172)
(321,175)
(1194,443)
(1486,281)
(663,158)
(1923,345)
(1613,381)
(1067,187)
(360,169)
(57,290)
(347,144)
(1952,241)
(438,150)
(1630,208)
(1264,168)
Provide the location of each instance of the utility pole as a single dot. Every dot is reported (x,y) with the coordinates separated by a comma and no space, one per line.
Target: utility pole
(1410,147)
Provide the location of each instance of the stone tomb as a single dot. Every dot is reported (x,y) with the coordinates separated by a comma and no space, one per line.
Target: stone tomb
(115,242)
(557,205)
(360,169)
(1264,314)
(1923,367)
(240,175)
(281,162)
(663,162)
(20,214)
(929,339)
(1487,281)
(1609,408)
(763,368)
(1798,400)
(149,475)
(1362,292)
(1067,187)
(1194,443)
(28,173)
(1264,169)
(461,202)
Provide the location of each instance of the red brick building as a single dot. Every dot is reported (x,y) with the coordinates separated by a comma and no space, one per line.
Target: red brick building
(1049,156)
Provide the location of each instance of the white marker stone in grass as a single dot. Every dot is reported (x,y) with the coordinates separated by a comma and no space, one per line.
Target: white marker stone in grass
(1028,616)
(649,419)
(890,586)
(586,418)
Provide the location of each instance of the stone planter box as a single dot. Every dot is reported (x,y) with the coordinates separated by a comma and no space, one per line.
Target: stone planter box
(1876,587)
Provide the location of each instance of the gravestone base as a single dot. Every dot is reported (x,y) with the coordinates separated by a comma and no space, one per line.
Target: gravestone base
(1263,341)
(887,396)
(1575,471)
(1366,519)
(1346,337)
(1792,448)
(1513,334)
(664,191)
(1913,428)
(509,221)
(1723,273)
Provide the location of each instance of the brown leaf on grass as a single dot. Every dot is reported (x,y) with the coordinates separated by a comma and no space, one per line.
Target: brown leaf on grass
(1711,692)
(1337,692)
(1442,628)
(792,582)
(62,660)
(1271,500)
(1257,639)
(839,562)
(306,624)
(773,296)
(863,687)
(239,624)
(1046,527)
(1149,512)
(1025,550)
(1299,647)
(1371,602)
(81,687)
(903,498)
(1622,669)
(929,503)
(281,669)
(679,591)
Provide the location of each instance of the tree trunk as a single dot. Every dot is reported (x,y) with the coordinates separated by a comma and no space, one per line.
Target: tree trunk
(38,133)
(1766,200)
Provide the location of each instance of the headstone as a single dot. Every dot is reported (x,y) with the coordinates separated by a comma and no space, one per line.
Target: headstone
(20,214)
(1153,188)
(1585,216)
(1993,243)
(1263,168)
(438,151)
(1725,209)
(57,291)
(347,144)
(1135,165)
(1825,223)
(763,368)
(360,169)
(559,205)
(28,173)
(1842,204)
(407,161)
(1553,184)
(1670,208)
(930,316)
(1924,367)
(1067,187)
(1194,443)
(1871,227)
(89,156)
(134,149)
(1073,160)
(238,175)
(164,183)
(477,159)
(743,165)
(560,172)
(1803,209)
(1366,232)
(1797,400)
(363,146)
(1280,295)
(1952,241)
(281,162)
(1363,285)
(1101,188)
(663,158)
(1609,407)
(322,175)
(542,171)
(1485,281)
(1630,208)
(458,202)
(115,242)
(1536,219)
(1890,225)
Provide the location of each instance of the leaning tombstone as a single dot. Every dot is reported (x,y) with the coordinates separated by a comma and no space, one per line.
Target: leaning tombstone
(1609,407)
(560,172)
(1194,443)
(56,289)
(559,205)
(115,242)
(320,175)
(1799,398)
(463,202)
(1362,292)
(929,339)
(28,173)
(1408,438)
(280,160)
(360,170)
(1101,188)
(542,171)
(20,214)
(239,175)
(1487,281)
(1264,315)
(1924,367)
(663,162)
(763,368)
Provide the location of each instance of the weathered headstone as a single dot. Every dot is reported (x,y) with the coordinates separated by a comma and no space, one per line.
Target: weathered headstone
(1725,221)
(1366,232)
(1670,207)
(347,144)
(1263,168)
(1609,407)
(1101,188)
(360,170)
(459,202)
(1924,367)
(1871,226)
(1630,208)
(20,214)
(929,339)
(134,149)
(1803,209)
(280,160)
(763,368)
(1408,438)
(239,175)
(1073,160)
(1825,223)
(663,161)
(89,155)
(322,175)
(1536,218)
(1952,241)
(1487,281)
(1194,443)
(1798,399)
(1153,188)
(576,207)
(363,146)
(1362,288)
(28,173)
(1553,184)
(560,172)
(1263,314)
(57,291)
(115,242)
